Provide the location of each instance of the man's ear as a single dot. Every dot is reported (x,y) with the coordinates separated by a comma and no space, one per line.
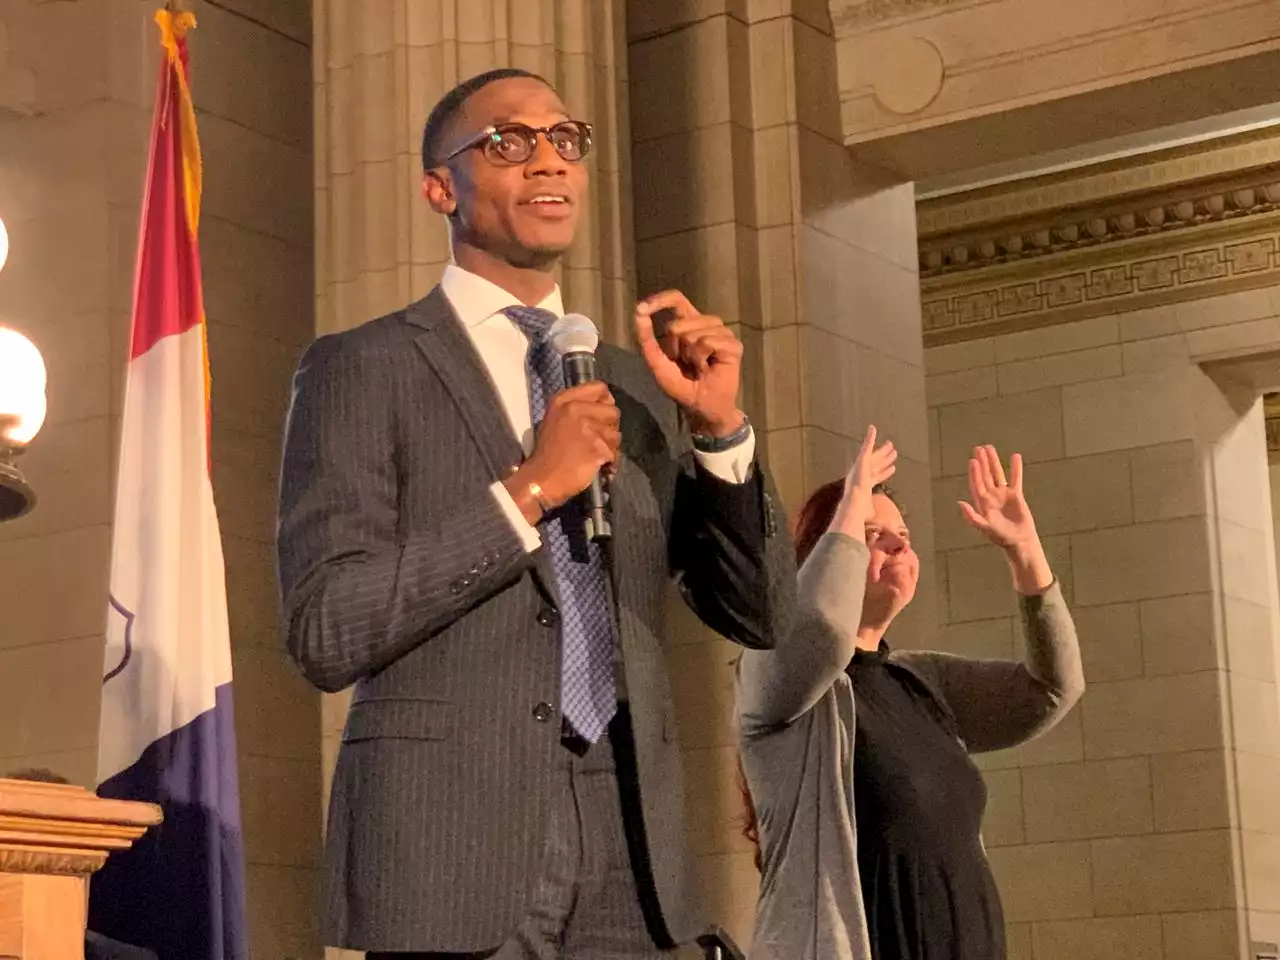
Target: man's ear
(437,187)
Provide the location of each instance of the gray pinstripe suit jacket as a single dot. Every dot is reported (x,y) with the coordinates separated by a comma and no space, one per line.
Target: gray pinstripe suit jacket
(400,574)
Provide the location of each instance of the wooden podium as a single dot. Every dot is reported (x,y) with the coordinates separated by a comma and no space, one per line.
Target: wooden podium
(52,838)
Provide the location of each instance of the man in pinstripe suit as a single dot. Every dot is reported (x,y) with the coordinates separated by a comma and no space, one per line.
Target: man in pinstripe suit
(509,779)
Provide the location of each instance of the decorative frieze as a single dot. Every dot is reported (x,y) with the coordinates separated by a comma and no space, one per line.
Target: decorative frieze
(1192,237)
(1142,217)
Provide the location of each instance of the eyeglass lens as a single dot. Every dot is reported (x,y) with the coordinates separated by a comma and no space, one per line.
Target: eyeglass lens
(515,142)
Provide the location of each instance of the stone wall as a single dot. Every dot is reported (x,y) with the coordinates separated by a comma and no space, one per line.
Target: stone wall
(1145,824)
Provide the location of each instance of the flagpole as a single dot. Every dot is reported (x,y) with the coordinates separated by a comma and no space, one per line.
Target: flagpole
(167,731)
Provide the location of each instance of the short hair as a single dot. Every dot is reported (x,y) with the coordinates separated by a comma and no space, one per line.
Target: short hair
(450,105)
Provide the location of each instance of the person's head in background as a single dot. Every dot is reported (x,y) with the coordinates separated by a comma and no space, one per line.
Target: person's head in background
(502,159)
(894,568)
(36,775)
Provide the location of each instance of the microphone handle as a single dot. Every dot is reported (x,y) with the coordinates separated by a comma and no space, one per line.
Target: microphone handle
(580,368)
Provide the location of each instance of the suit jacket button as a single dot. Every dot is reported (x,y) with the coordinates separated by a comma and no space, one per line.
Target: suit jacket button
(543,713)
(548,618)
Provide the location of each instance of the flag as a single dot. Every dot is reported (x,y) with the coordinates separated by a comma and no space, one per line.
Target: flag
(167,730)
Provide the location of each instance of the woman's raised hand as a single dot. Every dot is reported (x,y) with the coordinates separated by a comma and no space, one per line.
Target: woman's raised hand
(998,510)
(874,464)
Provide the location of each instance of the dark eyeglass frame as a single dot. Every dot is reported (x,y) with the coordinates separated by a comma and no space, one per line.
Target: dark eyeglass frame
(488,139)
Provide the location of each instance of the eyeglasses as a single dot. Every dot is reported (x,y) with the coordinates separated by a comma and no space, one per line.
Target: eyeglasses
(515,143)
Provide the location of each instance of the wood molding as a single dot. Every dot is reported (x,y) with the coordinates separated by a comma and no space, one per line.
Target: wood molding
(53,828)
(1181,225)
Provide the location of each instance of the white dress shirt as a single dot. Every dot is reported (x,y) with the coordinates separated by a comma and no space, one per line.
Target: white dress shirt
(502,346)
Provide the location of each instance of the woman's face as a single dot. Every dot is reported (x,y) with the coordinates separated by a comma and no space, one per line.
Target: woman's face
(894,569)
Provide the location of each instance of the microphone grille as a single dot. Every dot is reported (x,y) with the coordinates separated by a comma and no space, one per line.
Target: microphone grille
(574,333)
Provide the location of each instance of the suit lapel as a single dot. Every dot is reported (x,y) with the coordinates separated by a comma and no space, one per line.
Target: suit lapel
(454,358)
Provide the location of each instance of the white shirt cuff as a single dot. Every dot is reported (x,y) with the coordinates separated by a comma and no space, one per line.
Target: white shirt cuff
(732,465)
(528,535)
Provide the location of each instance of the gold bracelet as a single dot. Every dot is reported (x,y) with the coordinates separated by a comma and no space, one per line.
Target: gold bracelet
(535,491)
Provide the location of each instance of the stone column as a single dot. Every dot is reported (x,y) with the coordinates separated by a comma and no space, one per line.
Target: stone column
(747,200)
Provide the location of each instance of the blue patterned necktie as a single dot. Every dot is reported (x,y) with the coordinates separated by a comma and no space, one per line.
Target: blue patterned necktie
(586,616)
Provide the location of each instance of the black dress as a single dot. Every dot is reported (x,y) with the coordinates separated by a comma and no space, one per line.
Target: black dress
(927,888)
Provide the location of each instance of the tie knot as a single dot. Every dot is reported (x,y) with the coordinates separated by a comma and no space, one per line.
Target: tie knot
(534,322)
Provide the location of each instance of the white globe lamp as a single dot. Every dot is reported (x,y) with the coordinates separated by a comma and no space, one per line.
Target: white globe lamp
(22,409)
(22,412)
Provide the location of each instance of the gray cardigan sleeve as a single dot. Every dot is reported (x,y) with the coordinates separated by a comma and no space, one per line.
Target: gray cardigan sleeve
(1002,703)
(777,686)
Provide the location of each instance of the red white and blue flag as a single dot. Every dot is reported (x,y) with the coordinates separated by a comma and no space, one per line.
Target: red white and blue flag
(167,733)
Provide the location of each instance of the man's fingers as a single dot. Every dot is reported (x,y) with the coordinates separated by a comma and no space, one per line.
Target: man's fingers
(610,434)
(605,414)
(672,300)
(691,327)
(606,452)
(697,351)
(596,391)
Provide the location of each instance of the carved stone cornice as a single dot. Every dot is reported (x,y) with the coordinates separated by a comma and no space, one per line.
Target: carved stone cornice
(848,16)
(1186,224)
(67,830)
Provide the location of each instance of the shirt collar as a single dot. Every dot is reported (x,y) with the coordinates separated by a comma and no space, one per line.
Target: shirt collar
(475,299)
(878,655)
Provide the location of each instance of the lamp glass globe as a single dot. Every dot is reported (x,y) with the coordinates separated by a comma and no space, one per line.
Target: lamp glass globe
(22,388)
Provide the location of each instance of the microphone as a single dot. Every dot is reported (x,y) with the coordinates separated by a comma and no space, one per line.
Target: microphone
(575,338)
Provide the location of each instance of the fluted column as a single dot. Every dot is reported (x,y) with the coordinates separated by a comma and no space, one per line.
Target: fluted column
(380,65)
(749,201)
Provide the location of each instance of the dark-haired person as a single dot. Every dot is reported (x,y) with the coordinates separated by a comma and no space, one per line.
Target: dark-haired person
(864,800)
(509,782)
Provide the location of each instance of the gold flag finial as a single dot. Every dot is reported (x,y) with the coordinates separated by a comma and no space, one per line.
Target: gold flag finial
(174,24)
